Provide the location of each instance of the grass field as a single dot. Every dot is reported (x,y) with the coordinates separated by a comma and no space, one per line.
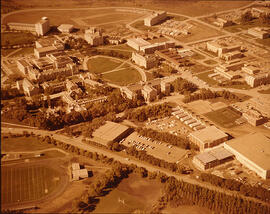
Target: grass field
(210,62)
(20,184)
(197,56)
(123,77)
(23,52)
(113,17)
(101,64)
(205,78)
(22,144)
(140,25)
(198,32)
(135,193)
(265,42)
(224,117)
(267,91)
(16,38)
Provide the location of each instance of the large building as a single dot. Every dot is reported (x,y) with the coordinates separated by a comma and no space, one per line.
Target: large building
(155,18)
(29,88)
(212,158)
(149,93)
(207,138)
(254,117)
(143,60)
(42,26)
(111,132)
(258,79)
(261,33)
(221,48)
(21,26)
(253,151)
(94,36)
(66,28)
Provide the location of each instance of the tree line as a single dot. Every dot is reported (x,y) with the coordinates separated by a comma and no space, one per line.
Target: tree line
(183,86)
(231,184)
(182,193)
(205,94)
(153,111)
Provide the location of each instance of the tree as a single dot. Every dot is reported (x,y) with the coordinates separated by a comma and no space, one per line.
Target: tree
(246,17)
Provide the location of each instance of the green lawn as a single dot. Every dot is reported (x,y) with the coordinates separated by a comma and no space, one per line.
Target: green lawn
(20,184)
(22,144)
(16,38)
(123,77)
(101,64)
(178,18)
(140,25)
(23,52)
(265,42)
(205,78)
(267,91)
(197,56)
(210,62)
(121,46)
(224,117)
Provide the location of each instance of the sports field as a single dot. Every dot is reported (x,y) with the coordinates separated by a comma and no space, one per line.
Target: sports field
(133,193)
(224,117)
(28,183)
(123,77)
(101,64)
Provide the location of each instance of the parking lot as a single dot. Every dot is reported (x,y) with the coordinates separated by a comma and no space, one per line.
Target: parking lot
(158,149)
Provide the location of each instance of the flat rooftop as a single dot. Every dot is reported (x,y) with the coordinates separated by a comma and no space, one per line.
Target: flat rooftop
(110,131)
(209,134)
(255,147)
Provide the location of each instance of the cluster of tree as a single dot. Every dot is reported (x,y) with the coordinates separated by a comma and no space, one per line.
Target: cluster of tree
(10,93)
(181,193)
(143,156)
(183,86)
(167,137)
(76,43)
(205,94)
(230,83)
(112,53)
(231,184)
(20,111)
(246,17)
(100,187)
(264,19)
(153,111)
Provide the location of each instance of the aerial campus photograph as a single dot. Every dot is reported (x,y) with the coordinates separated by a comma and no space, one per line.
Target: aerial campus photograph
(135,106)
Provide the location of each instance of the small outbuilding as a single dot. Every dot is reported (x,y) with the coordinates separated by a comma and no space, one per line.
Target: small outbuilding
(66,28)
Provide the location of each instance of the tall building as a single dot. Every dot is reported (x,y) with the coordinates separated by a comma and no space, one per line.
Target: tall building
(155,18)
(43,26)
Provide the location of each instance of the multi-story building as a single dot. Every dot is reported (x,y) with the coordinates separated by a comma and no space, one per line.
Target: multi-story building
(149,93)
(21,26)
(24,66)
(143,60)
(250,69)
(221,48)
(208,137)
(43,26)
(259,32)
(94,39)
(155,18)
(29,88)
(221,22)
(254,117)
(258,79)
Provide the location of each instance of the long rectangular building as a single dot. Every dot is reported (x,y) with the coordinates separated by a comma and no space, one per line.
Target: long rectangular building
(253,151)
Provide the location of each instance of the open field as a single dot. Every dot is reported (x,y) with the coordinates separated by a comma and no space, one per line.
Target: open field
(266,91)
(204,77)
(224,117)
(123,77)
(23,52)
(134,192)
(210,62)
(27,183)
(187,209)
(192,8)
(140,26)
(22,144)
(101,64)
(198,32)
(265,42)
(16,38)
(244,26)
(112,17)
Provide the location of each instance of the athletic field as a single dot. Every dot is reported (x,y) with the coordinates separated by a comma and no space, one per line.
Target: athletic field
(27,183)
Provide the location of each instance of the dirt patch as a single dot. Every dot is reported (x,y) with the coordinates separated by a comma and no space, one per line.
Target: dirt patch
(187,209)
